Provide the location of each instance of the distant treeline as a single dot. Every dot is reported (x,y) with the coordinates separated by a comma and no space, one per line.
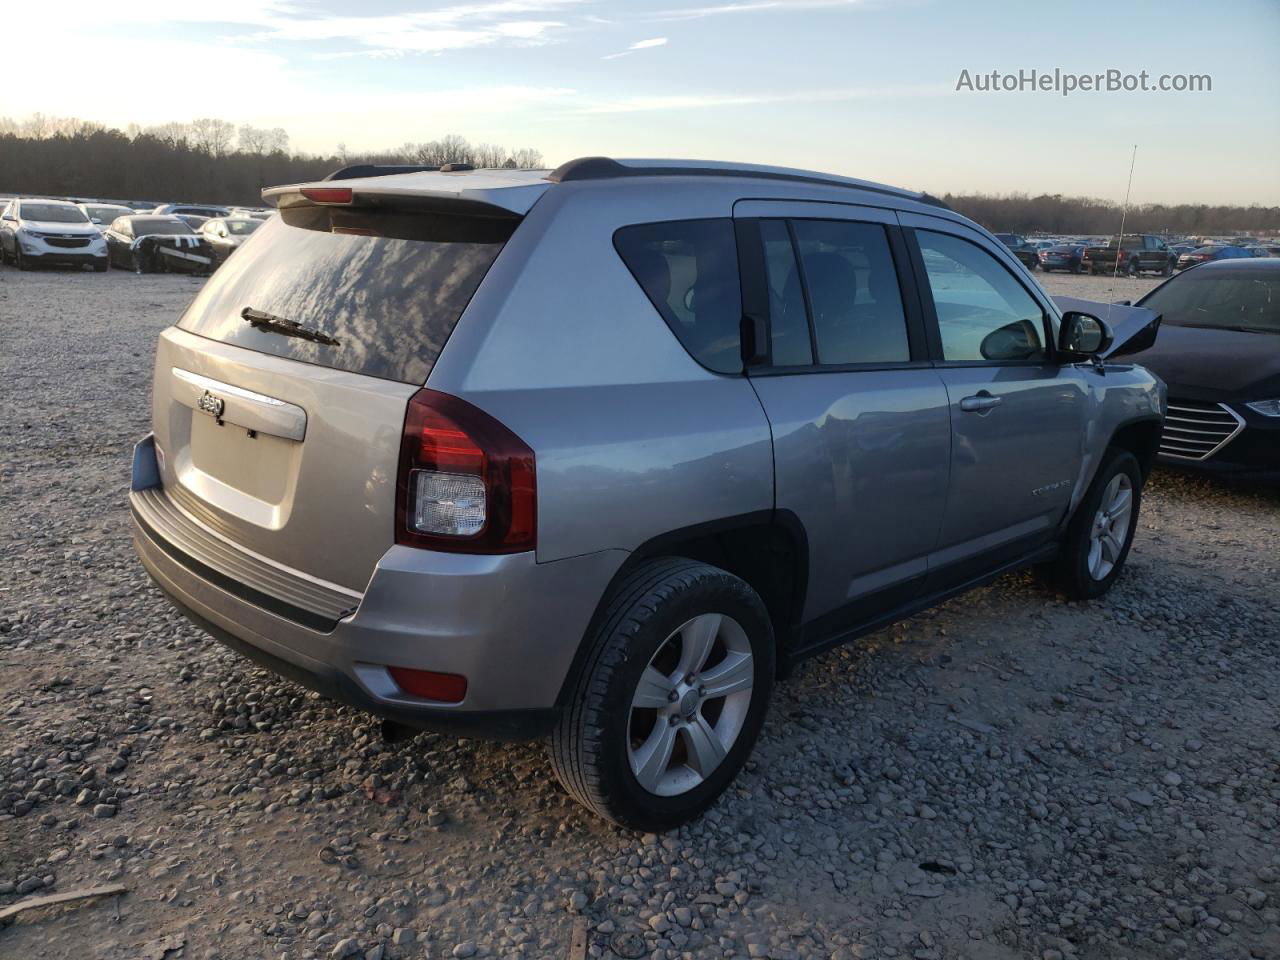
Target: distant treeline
(1019,213)
(214,161)
(206,160)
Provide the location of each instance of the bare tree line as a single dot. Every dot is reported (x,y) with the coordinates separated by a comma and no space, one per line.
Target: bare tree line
(206,159)
(212,160)
(1056,214)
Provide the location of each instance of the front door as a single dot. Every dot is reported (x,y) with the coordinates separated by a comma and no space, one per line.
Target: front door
(1017,416)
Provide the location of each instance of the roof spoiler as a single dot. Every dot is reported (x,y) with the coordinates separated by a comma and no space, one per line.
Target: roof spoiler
(360,170)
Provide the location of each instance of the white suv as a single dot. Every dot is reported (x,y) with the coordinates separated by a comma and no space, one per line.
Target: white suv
(36,232)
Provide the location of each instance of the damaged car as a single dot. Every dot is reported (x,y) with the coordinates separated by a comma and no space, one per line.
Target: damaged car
(157,244)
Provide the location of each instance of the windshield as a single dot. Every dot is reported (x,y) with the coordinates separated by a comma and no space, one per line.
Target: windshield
(241,228)
(157,226)
(107,214)
(53,213)
(384,289)
(1230,300)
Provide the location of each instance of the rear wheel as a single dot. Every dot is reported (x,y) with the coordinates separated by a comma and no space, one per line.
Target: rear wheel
(1100,534)
(671,699)
(1133,268)
(1168,269)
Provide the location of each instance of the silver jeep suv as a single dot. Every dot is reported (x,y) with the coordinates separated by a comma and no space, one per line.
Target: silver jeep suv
(599,454)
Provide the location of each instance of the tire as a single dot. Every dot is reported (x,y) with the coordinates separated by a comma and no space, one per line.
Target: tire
(1168,269)
(1075,572)
(21,261)
(1077,268)
(1133,270)
(647,628)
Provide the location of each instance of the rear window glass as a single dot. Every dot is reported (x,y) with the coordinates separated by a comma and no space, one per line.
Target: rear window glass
(689,270)
(388,287)
(149,227)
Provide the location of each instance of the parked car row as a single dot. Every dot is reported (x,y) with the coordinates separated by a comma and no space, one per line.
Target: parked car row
(1131,254)
(43,232)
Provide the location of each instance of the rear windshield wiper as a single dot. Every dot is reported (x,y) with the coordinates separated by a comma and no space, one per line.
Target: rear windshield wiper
(289,328)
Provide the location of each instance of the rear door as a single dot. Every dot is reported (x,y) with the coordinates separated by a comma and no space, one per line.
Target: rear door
(859,418)
(285,439)
(1017,415)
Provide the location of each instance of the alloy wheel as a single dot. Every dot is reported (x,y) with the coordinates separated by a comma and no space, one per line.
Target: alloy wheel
(690,704)
(1110,527)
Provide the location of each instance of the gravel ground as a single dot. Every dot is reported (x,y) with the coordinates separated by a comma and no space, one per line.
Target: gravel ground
(1007,776)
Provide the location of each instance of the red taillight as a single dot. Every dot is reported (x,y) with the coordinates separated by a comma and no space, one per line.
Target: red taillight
(466,484)
(327,194)
(444,687)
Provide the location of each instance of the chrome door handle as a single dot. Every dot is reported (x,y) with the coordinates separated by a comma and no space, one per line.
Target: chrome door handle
(980,403)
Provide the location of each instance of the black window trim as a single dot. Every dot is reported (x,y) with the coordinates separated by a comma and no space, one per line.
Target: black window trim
(912,304)
(925,292)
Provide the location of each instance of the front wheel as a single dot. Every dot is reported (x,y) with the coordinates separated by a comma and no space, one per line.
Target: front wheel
(671,699)
(22,262)
(1100,534)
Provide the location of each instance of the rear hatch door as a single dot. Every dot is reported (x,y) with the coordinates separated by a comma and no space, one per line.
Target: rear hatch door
(280,396)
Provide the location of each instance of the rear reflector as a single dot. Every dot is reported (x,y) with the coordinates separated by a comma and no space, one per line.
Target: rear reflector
(327,194)
(444,687)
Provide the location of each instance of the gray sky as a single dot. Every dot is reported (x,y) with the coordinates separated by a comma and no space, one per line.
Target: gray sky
(860,87)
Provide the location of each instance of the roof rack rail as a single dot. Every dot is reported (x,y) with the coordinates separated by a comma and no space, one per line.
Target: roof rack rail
(606,168)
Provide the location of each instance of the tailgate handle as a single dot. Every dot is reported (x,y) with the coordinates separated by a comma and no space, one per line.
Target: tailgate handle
(228,403)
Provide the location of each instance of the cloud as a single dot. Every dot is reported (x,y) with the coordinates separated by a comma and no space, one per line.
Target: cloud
(453,27)
(704,101)
(749,6)
(638,45)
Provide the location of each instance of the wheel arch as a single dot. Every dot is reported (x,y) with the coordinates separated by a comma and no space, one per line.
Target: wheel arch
(768,549)
(1142,439)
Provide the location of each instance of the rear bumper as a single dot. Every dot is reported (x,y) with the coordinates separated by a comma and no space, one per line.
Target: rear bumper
(510,625)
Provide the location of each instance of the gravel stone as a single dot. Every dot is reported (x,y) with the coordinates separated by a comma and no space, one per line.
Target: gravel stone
(1006,776)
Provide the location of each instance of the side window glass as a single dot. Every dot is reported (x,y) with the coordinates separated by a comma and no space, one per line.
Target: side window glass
(853,293)
(689,271)
(983,312)
(788,322)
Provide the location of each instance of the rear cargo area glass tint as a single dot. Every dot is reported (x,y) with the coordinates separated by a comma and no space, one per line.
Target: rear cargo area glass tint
(388,287)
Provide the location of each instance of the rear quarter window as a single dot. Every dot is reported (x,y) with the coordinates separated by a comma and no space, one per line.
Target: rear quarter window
(689,271)
(388,287)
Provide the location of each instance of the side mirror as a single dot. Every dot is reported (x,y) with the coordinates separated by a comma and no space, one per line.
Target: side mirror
(1083,335)
(1124,303)
(1012,342)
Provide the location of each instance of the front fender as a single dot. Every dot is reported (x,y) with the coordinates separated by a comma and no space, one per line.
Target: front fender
(1117,396)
